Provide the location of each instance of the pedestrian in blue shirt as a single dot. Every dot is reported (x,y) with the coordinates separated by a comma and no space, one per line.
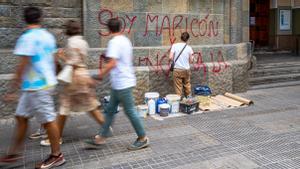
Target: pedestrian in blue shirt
(36,76)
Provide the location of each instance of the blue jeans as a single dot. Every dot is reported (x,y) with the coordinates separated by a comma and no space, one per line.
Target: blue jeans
(124,97)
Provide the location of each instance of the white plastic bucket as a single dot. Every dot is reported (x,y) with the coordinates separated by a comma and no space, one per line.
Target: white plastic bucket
(151,95)
(142,110)
(173,101)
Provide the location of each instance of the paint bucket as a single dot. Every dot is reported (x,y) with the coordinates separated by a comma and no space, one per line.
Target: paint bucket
(159,102)
(173,101)
(142,110)
(164,109)
(151,95)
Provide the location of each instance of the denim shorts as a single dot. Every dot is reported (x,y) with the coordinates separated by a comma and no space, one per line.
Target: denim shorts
(38,104)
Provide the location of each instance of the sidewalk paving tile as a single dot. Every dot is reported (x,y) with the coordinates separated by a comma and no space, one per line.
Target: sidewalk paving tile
(265,135)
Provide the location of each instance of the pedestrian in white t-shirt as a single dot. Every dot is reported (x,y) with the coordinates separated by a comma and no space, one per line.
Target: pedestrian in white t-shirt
(182,73)
(122,77)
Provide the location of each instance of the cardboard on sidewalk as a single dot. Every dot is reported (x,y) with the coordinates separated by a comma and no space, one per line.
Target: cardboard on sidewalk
(225,101)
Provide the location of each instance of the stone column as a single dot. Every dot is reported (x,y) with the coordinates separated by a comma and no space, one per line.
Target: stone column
(90,22)
(246,16)
(227,22)
(236,25)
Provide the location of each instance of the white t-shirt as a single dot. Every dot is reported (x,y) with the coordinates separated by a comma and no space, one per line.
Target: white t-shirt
(122,76)
(183,60)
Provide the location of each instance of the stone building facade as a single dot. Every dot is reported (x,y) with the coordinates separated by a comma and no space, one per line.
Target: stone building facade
(219,32)
(275,24)
(284,28)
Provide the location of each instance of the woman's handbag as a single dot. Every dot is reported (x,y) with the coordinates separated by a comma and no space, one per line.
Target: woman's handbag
(66,74)
(173,62)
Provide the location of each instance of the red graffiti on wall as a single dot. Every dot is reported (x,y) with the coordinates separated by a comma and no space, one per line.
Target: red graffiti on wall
(157,65)
(198,64)
(160,63)
(161,59)
(217,69)
(205,27)
(144,60)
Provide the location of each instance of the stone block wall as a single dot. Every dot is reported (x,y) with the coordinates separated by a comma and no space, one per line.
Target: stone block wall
(217,28)
(146,22)
(153,57)
(56,13)
(222,67)
(157,22)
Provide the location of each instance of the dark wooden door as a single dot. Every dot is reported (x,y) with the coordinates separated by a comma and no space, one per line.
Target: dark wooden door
(259,22)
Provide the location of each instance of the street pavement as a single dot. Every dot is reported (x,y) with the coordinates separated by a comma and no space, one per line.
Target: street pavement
(265,135)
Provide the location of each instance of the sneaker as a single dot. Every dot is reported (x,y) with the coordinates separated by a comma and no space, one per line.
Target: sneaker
(38,134)
(139,144)
(46,142)
(51,161)
(93,144)
(9,159)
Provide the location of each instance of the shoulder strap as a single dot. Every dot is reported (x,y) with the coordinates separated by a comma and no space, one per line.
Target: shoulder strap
(180,53)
